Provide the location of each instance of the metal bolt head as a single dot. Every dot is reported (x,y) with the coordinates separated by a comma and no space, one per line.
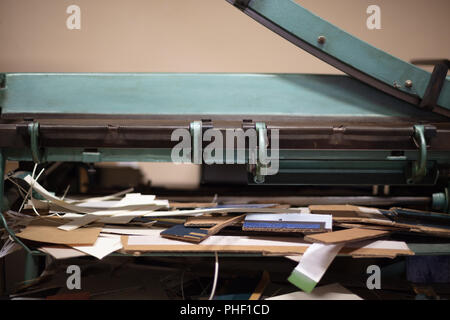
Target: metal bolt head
(408,83)
(321,39)
(396,85)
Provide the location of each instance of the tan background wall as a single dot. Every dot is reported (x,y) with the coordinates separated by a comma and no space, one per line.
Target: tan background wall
(198,36)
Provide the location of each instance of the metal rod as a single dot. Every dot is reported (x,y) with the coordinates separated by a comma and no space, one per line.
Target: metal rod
(306,201)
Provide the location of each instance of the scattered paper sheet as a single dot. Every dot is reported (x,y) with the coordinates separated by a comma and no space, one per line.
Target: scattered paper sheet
(197,212)
(313,265)
(79,222)
(62,252)
(105,198)
(128,230)
(102,247)
(124,217)
(48,196)
(329,292)
(129,202)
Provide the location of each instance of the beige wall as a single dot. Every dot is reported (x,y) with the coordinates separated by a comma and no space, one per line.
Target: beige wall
(197,36)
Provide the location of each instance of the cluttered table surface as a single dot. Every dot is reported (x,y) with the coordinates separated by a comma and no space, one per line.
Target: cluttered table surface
(134,224)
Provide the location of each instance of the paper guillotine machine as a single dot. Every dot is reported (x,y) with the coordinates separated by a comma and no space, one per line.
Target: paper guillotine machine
(386,122)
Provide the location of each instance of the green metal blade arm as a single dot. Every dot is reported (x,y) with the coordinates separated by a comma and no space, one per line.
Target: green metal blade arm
(346,52)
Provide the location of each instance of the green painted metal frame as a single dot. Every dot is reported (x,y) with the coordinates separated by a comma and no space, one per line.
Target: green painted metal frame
(199,96)
(255,95)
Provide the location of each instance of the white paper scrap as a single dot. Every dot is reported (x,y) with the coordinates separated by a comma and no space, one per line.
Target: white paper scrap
(317,259)
(128,230)
(79,222)
(102,247)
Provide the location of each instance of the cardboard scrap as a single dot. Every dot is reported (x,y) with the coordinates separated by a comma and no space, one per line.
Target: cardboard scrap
(366,226)
(46,230)
(206,221)
(339,211)
(407,220)
(407,226)
(377,249)
(191,205)
(345,236)
(197,235)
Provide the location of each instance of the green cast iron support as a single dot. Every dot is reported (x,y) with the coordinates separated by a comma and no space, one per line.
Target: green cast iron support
(419,168)
(31,267)
(33,130)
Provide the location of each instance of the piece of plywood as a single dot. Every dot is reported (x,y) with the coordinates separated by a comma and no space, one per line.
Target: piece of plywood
(345,236)
(283,246)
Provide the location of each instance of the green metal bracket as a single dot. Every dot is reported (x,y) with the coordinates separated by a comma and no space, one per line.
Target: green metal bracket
(419,169)
(13,235)
(196,129)
(441,201)
(33,130)
(91,157)
(261,130)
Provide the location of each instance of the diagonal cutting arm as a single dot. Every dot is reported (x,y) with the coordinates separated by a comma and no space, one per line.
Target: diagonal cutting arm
(349,54)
